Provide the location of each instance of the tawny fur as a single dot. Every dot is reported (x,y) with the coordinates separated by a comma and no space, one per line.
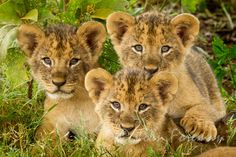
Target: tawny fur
(220,152)
(59,58)
(152,127)
(198,100)
(131,89)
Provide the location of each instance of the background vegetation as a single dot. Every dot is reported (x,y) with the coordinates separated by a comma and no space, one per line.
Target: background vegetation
(21,101)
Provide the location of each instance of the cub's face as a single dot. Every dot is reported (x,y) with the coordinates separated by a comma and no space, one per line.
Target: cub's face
(61,55)
(151,41)
(131,106)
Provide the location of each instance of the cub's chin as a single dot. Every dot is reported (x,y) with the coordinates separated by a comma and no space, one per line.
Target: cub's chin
(59,95)
(127,140)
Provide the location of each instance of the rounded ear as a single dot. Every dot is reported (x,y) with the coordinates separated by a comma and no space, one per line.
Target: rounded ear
(186,26)
(166,84)
(97,83)
(29,37)
(117,25)
(92,36)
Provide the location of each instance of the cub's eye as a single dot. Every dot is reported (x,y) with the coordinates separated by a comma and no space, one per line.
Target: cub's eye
(137,48)
(74,61)
(47,61)
(115,105)
(165,48)
(143,107)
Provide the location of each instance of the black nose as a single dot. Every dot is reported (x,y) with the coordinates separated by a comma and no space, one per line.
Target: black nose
(151,71)
(127,129)
(59,84)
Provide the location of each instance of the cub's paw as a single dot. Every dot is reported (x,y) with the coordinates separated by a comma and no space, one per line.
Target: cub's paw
(201,129)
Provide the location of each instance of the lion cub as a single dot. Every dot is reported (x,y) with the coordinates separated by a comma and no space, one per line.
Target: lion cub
(154,42)
(220,152)
(132,109)
(59,58)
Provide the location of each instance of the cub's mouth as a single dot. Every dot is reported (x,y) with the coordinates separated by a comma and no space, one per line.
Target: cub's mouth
(127,140)
(60,91)
(60,94)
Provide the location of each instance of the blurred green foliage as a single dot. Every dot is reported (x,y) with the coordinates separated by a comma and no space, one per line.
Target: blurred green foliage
(223,62)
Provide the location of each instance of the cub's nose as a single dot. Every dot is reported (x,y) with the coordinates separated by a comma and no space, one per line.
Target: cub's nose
(58,83)
(151,69)
(127,129)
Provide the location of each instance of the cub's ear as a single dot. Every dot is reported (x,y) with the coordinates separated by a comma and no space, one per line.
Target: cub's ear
(166,84)
(92,36)
(118,24)
(29,37)
(186,26)
(98,83)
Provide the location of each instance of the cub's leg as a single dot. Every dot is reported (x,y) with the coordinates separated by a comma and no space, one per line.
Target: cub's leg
(104,141)
(199,121)
(48,131)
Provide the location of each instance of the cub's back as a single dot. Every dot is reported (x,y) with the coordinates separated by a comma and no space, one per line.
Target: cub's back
(200,72)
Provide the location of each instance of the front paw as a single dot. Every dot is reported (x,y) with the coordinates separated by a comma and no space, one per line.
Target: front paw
(201,129)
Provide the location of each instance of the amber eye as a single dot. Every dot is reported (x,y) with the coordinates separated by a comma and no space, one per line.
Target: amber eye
(115,105)
(74,61)
(47,61)
(165,48)
(137,48)
(143,107)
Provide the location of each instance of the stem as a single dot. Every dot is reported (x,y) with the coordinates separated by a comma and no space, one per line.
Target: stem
(232,75)
(231,24)
(181,6)
(163,5)
(30,89)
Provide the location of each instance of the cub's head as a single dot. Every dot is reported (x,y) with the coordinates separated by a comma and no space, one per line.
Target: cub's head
(61,55)
(152,41)
(131,106)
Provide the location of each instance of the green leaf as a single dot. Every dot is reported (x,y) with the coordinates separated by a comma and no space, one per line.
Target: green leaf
(45,14)
(233,52)
(106,7)
(219,48)
(16,71)
(4,30)
(214,64)
(7,41)
(8,14)
(115,5)
(109,59)
(190,5)
(31,15)
(102,13)
(220,73)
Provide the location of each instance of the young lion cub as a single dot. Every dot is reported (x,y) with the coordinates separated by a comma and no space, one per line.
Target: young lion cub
(132,109)
(154,42)
(59,58)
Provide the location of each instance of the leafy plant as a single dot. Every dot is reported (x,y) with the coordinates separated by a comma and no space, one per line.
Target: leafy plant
(191,5)
(109,59)
(223,63)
